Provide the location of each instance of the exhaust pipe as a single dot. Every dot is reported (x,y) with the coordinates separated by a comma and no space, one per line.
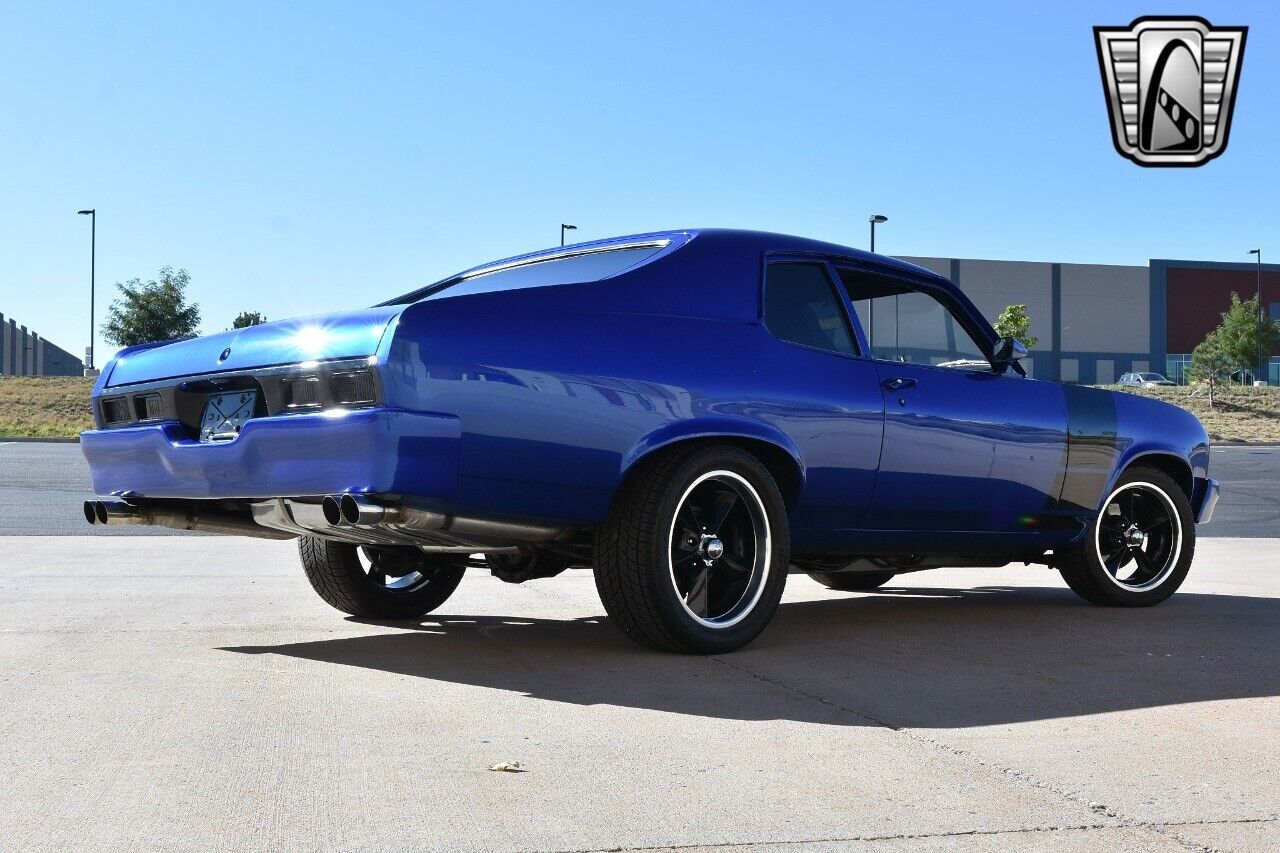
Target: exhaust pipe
(180,517)
(358,511)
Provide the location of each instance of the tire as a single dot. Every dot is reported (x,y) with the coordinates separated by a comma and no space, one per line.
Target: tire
(676,574)
(1110,567)
(852,581)
(381,591)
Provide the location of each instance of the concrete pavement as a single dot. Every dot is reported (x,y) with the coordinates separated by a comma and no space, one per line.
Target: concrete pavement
(192,693)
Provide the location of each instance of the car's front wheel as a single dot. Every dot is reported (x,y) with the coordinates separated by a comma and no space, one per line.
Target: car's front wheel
(379,582)
(1137,552)
(693,555)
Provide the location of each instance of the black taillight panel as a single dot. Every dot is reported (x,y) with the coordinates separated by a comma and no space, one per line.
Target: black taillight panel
(302,391)
(115,410)
(149,407)
(352,387)
(289,389)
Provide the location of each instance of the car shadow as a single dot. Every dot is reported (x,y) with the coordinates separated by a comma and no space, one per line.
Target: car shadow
(935,658)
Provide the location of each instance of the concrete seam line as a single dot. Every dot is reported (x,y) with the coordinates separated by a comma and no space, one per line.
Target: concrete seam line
(1083,827)
(1025,778)
(1019,775)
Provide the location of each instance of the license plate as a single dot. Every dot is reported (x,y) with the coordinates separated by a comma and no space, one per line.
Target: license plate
(225,414)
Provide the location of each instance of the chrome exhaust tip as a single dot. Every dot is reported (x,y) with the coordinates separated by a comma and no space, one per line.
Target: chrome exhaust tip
(94,513)
(331,506)
(360,511)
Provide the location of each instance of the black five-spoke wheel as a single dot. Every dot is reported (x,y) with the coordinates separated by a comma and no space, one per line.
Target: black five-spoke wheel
(693,555)
(1138,536)
(1139,548)
(719,548)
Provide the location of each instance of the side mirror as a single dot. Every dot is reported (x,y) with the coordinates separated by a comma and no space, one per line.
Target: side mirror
(1008,351)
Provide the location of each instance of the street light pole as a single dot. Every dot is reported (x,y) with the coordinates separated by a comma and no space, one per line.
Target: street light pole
(564,228)
(875,219)
(1257,297)
(92,213)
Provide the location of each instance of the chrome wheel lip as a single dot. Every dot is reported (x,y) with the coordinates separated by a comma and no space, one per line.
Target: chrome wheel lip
(1175,523)
(763,563)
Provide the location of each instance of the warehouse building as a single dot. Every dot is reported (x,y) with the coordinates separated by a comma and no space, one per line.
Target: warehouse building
(1097,322)
(24,353)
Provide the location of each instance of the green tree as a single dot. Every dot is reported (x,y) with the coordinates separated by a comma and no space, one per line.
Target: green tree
(245,319)
(149,311)
(1013,322)
(1247,337)
(1210,361)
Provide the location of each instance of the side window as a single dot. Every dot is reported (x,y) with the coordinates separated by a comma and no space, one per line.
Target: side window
(909,325)
(801,305)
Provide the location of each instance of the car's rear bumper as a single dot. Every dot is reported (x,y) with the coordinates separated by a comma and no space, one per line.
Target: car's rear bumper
(366,450)
(1208,499)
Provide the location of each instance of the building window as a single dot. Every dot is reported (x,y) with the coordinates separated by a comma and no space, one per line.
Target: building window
(1104,371)
(1070,369)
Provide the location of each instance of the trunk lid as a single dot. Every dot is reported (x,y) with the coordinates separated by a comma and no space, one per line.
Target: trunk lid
(350,334)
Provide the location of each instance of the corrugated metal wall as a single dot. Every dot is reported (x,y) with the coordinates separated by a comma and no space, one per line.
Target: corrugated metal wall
(24,353)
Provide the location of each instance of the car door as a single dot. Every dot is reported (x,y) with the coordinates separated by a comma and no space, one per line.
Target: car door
(822,393)
(965,448)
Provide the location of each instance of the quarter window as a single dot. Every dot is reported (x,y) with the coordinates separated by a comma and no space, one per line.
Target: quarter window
(802,306)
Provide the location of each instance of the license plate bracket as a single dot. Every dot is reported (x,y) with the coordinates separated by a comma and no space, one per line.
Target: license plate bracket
(225,414)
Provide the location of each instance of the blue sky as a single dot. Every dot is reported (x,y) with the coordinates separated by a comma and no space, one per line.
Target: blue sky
(305,158)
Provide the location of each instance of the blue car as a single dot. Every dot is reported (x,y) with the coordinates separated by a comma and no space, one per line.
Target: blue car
(693,414)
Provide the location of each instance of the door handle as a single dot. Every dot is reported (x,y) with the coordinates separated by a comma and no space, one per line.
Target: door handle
(897,383)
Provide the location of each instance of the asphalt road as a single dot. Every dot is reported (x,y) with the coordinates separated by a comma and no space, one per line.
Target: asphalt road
(43,485)
(192,693)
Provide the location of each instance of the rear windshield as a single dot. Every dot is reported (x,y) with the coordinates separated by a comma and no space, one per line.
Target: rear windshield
(579,268)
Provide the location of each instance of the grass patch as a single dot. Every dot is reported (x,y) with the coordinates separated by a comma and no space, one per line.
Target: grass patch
(44,406)
(1239,414)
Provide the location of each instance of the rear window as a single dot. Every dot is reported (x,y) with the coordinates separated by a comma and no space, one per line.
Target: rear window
(564,269)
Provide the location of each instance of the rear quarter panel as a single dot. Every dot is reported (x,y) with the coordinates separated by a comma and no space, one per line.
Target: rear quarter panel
(557,403)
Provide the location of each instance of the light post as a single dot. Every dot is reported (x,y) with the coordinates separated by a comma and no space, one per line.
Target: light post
(564,228)
(92,213)
(1257,297)
(876,219)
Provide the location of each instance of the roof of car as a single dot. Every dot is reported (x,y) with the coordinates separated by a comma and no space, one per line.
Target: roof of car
(724,238)
(698,271)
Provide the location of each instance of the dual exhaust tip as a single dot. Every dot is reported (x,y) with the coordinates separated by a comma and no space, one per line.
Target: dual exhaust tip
(351,510)
(95,512)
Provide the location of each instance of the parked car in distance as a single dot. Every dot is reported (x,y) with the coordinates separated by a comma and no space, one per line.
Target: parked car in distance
(691,414)
(1145,380)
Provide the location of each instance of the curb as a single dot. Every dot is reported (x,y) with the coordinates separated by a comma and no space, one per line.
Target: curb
(27,439)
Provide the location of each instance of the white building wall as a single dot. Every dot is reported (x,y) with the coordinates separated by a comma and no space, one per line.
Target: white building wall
(995,285)
(1105,308)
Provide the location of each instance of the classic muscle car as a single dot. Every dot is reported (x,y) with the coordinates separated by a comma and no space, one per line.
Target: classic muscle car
(692,414)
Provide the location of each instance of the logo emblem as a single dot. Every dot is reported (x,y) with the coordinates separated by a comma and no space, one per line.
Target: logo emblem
(1170,85)
(226,354)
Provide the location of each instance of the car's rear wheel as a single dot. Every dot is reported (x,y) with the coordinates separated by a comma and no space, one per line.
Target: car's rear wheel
(693,555)
(1137,552)
(852,581)
(379,582)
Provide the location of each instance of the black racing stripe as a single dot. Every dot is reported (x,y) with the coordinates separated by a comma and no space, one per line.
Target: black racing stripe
(1091,446)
